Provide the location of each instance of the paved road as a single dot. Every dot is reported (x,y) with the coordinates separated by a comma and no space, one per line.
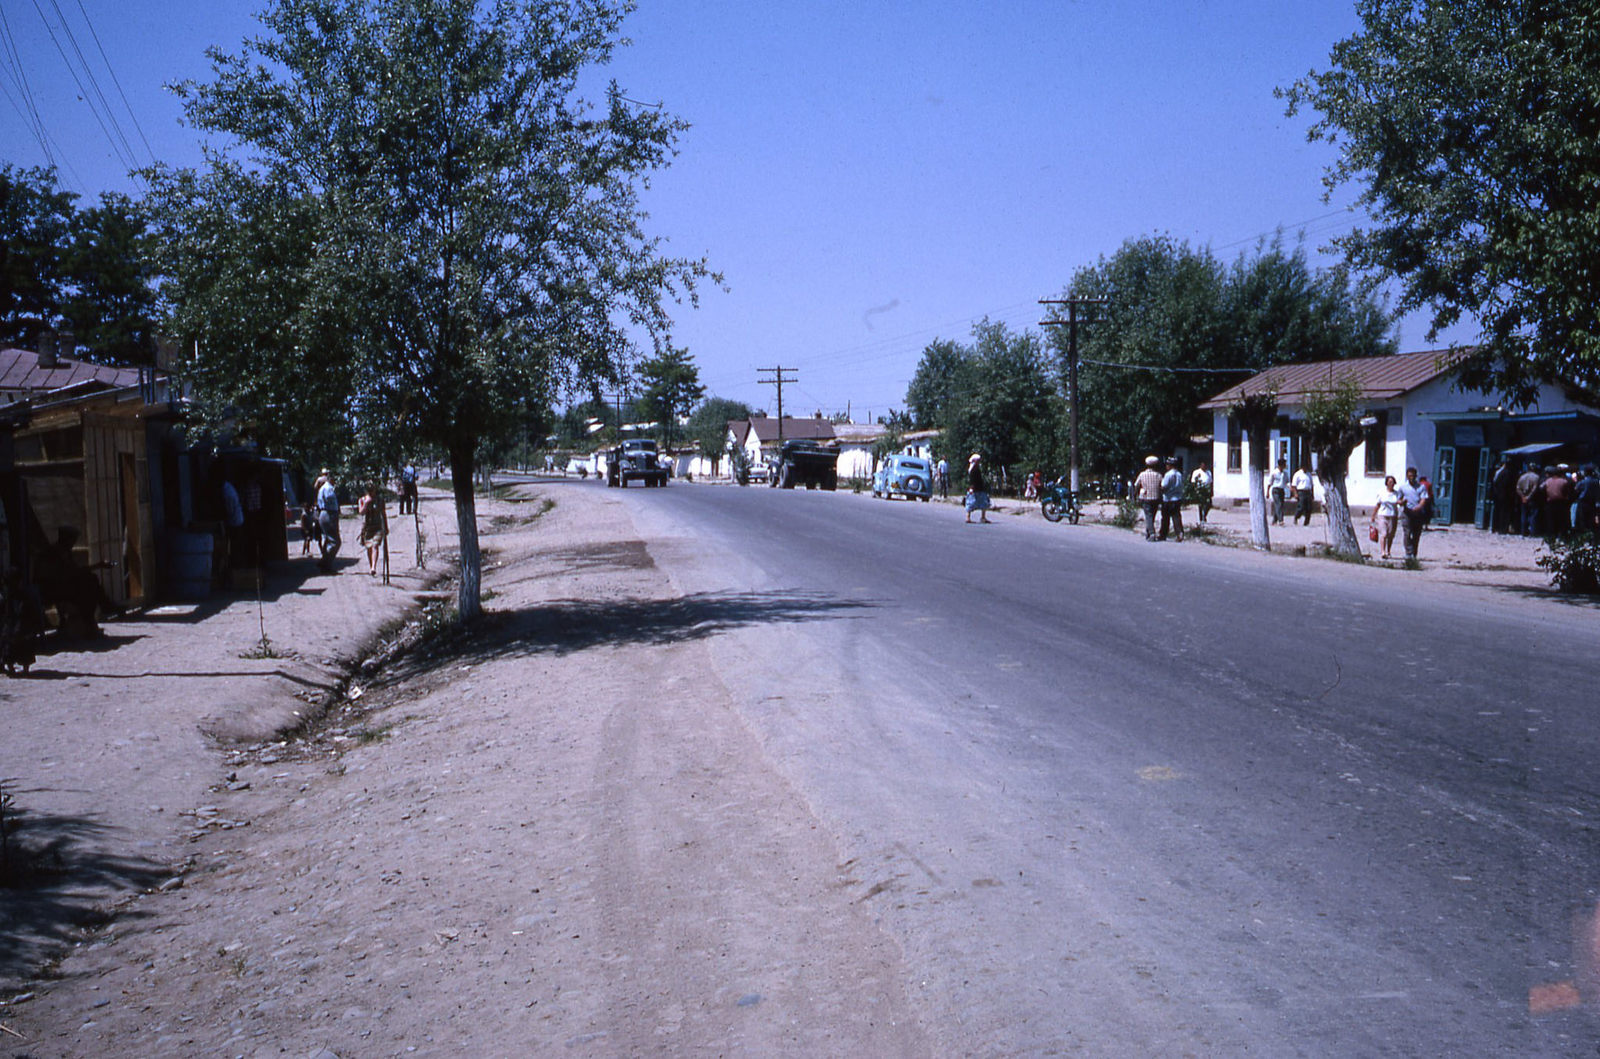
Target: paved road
(1160,799)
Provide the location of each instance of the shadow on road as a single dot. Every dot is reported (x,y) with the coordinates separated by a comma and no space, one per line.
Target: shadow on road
(56,878)
(567,625)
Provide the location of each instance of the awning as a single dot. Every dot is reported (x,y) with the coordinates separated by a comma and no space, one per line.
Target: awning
(1533,450)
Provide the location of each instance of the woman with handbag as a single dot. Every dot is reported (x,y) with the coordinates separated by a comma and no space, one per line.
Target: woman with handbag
(1385,517)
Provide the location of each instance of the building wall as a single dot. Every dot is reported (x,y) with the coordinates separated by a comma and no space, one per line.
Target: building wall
(1411,439)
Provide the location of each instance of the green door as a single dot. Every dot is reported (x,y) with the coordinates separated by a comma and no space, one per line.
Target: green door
(1444,482)
(1480,510)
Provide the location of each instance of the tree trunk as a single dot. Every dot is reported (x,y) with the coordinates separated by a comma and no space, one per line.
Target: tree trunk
(1336,506)
(469,601)
(1260,535)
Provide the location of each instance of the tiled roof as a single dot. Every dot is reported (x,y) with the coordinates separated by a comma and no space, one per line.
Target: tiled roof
(1377,378)
(20,372)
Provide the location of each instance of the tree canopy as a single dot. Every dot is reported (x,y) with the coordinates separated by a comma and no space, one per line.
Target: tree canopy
(87,272)
(671,388)
(996,396)
(1178,326)
(464,235)
(1473,130)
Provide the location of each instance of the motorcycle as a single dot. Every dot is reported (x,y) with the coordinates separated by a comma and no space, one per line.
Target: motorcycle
(1057,500)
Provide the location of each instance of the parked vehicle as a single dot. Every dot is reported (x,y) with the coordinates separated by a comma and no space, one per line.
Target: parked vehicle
(910,476)
(1057,500)
(807,463)
(635,460)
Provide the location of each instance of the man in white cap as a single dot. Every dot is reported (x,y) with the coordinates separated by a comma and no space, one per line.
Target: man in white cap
(1147,491)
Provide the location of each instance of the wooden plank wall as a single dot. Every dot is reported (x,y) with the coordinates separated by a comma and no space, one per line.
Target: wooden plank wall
(105,439)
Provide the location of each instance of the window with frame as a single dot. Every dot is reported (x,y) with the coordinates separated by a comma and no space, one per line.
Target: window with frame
(1235,445)
(1375,435)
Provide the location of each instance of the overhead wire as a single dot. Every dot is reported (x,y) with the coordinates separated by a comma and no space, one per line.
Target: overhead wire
(117,82)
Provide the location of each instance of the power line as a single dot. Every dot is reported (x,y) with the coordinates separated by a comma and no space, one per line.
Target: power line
(87,21)
(114,80)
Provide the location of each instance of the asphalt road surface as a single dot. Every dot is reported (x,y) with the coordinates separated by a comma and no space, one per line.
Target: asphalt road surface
(1115,797)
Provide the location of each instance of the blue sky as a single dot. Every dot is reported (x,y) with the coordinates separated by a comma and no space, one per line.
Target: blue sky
(869,176)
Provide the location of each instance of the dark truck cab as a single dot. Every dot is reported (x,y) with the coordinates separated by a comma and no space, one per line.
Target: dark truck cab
(806,463)
(635,461)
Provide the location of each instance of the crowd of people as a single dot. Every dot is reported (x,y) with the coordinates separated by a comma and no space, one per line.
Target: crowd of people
(1545,501)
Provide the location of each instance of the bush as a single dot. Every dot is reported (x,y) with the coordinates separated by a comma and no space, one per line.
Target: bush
(857,483)
(1128,513)
(1573,563)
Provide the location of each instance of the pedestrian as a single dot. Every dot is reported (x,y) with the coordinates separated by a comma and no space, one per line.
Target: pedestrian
(309,531)
(1031,489)
(944,478)
(1559,495)
(1147,493)
(408,488)
(977,490)
(1201,480)
(1302,484)
(1504,512)
(1587,507)
(233,531)
(1172,501)
(1277,484)
(1415,499)
(1528,498)
(328,520)
(1386,517)
(370,508)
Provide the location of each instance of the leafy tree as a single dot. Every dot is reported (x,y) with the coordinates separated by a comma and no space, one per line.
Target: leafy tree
(1473,130)
(1178,326)
(708,426)
(1333,428)
(111,306)
(941,375)
(1256,413)
(35,225)
(671,387)
(1006,403)
(467,228)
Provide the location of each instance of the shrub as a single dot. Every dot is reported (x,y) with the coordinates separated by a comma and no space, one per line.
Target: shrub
(857,483)
(1127,515)
(1573,562)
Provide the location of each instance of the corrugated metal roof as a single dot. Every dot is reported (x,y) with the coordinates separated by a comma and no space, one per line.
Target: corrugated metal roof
(1377,378)
(20,373)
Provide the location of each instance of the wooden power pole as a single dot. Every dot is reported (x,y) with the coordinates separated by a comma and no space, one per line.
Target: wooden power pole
(778,380)
(1071,323)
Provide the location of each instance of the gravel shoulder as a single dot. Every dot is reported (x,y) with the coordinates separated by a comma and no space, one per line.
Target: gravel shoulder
(558,833)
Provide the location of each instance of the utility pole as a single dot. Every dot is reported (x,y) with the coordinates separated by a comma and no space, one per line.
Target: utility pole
(778,380)
(1072,368)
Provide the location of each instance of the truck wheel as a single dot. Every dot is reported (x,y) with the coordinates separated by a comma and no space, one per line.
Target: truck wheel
(830,481)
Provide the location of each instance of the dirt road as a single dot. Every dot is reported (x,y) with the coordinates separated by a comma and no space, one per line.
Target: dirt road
(558,835)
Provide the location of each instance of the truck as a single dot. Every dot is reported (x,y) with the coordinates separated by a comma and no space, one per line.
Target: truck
(635,460)
(807,463)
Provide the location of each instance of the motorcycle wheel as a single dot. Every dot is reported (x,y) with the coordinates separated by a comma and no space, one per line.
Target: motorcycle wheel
(1073,515)
(1052,510)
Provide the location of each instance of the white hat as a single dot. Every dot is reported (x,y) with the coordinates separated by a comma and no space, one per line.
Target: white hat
(974,458)
(1152,461)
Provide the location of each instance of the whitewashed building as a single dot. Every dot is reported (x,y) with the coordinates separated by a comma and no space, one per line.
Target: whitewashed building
(1414,415)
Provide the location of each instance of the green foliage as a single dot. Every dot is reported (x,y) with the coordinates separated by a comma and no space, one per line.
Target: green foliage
(996,396)
(739,461)
(942,376)
(708,425)
(1179,326)
(1473,131)
(86,272)
(36,218)
(1573,562)
(460,236)
(671,388)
